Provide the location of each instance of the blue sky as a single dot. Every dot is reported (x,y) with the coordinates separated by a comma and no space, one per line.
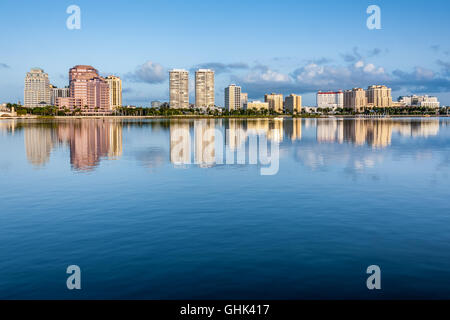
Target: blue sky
(265,46)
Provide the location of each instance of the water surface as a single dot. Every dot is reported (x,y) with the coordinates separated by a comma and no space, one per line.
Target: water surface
(119,199)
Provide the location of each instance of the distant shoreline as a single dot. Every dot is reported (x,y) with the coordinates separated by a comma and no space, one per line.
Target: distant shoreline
(223,117)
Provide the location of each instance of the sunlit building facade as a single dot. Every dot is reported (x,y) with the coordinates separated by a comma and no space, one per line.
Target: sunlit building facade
(115,91)
(204,88)
(179,88)
(233,97)
(293,103)
(330,99)
(275,102)
(37,90)
(379,96)
(355,99)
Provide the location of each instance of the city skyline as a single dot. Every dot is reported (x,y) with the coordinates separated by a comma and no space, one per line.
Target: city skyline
(91,93)
(304,55)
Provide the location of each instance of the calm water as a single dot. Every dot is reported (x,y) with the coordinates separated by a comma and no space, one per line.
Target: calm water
(112,197)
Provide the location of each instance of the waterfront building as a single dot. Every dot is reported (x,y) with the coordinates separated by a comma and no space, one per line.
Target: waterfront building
(115,91)
(355,99)
(244,99)
(98,95)
(204,88)
(256,105)
(420,101)
(379,96)
(275,102)
(233,97)
(87,90)
(37,91)
(330,99)
(293,103)
(58,93)
(179,88)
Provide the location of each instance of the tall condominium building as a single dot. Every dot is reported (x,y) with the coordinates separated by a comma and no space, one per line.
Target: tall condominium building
(87,90)
(275,102)
(79,77)
(37,90)
(233,97)
(115,91)
(58,93)
(244,99)
(330,99)
(179,88)
(204,88)
(98,95)
(355,99)
(293,103)
(420,101)
(379,96)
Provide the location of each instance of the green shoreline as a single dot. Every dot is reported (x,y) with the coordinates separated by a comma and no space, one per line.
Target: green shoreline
(228,117)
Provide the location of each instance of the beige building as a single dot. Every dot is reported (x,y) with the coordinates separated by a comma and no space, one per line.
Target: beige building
(179,88)
(204,88)
(379,96)
(256,105)
(275,102)
(115,91)
(419,101)
(355,99)
(233,97)
(37,90)
(244,99)
(293,103)
(58,93)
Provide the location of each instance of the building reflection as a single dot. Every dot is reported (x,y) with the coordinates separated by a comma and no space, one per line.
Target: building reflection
(275,132)
(376,133)
(236,136)
(180,142)
(39,142)
(204,141)
(330,130)
(8,127)
(89,141)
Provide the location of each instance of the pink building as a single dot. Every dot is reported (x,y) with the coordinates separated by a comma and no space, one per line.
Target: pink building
(87,90)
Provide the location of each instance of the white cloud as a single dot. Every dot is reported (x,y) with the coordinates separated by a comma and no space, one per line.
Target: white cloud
(149,72)
(263,74)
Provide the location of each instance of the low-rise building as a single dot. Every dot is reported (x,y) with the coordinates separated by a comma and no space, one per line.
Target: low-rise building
(330,99)
(256,105)
(58,93)
(420,101)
